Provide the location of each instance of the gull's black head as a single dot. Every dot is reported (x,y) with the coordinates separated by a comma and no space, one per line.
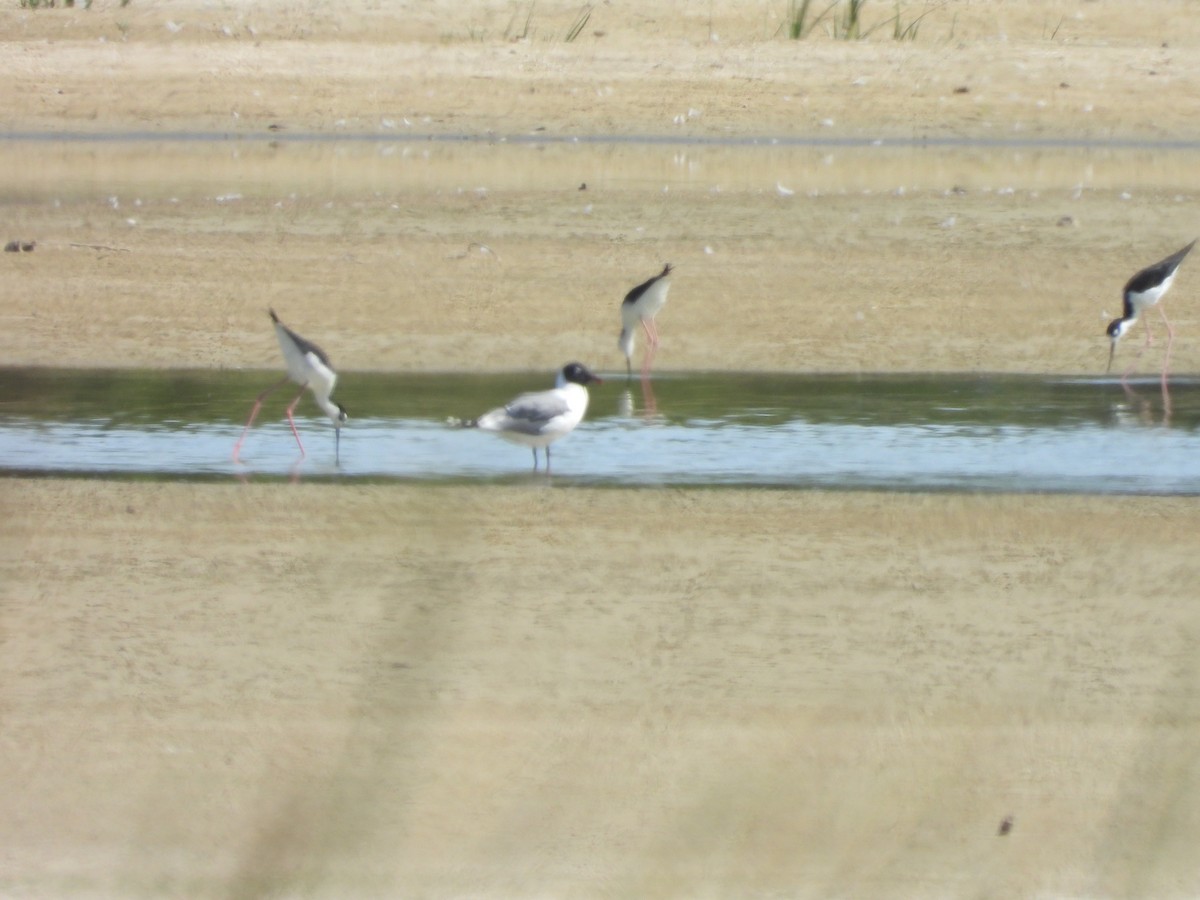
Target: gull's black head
(342,414)
(578,373)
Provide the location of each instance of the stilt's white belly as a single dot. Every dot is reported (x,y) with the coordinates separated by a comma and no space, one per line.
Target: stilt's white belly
(1150,297)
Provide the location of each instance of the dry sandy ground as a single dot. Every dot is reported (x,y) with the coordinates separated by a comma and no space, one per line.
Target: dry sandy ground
(246,690)
(526,691)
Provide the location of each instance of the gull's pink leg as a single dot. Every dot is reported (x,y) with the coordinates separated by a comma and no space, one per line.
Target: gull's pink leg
(291,408)
(237,448)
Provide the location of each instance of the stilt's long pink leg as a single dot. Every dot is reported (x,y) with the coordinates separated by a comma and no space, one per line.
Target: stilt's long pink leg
(1170,340)
(1148,343)
(648,359)
(651,345)
(291,408)
(237,448)
(651,332)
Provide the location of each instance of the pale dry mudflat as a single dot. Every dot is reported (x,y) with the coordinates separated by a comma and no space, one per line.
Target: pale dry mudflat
(316,690)
(334,691)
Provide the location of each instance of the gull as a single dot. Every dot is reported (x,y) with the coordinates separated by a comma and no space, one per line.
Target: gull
(539,419)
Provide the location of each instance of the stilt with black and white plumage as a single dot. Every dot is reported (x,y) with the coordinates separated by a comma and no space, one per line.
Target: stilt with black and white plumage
(640,306)
(1142,291)
(536,420)
(309,367)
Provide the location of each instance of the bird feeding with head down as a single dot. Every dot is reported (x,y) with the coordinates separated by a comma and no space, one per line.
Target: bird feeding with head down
(538,419)
(640,306)
(309,367)
(1144,290)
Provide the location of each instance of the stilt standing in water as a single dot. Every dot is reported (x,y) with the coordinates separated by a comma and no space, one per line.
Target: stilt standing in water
(1146,289)
(641,305)
(309,367)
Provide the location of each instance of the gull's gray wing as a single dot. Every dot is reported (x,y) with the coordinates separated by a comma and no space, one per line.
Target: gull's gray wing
(530,413)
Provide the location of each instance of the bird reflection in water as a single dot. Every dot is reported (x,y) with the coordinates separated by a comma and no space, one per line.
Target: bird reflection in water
(649,408)
(1142,409)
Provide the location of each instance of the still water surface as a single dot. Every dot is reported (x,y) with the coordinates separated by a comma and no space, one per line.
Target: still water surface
(944,432)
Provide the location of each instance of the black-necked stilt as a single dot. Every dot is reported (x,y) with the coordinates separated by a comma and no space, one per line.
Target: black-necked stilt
(539,419)
(1146,289)
(641,305)
(309,367)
